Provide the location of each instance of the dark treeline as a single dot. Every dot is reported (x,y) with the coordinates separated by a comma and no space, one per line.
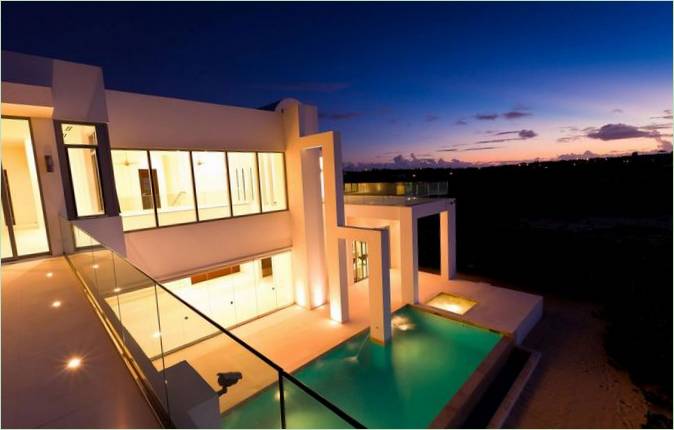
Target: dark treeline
(595,230)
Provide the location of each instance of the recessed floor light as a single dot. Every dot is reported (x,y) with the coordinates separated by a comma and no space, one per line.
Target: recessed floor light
(74,363)
(49,274)
(56,304)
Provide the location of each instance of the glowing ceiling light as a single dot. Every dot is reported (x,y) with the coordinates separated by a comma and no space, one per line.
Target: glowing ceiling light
(49,274)
(56,304)
(117,290)
(74,363)
(95,266)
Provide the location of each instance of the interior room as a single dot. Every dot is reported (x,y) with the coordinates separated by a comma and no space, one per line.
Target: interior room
(23,225)
(231,295)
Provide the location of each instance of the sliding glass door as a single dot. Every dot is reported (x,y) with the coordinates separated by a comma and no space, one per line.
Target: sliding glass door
(238,293)
(23,226)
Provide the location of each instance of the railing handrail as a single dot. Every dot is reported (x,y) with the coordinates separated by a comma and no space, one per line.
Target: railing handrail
(335,409)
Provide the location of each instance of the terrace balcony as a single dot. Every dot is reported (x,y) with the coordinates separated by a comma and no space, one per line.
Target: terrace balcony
(176,351)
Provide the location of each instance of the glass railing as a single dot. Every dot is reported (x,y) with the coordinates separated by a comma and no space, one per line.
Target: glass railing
(407,189)
(196,373)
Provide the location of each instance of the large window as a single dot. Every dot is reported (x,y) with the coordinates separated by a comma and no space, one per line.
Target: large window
(134,188)
(272,181)
(174,194)
(243,182)
(80,142)
(234,294)
(210,180)
(162,187)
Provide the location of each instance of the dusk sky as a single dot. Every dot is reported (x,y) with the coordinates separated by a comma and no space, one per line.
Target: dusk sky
(475,82)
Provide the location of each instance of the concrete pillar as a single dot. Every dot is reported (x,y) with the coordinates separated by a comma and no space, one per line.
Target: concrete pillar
(335,248)
(316,286)
(409,257)
(448,242)
(379,284)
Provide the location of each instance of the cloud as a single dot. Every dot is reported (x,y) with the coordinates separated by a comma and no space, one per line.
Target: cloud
(584,156)
(307,87)
(413,162)
(527,134)
(460,122)
(521,135)
(665,145)
(486,116)
(431,118)
(339,116)
(663,126)
(514,114)
(479,148)
(619,131)
(667,115)
(617,111)
(567,139)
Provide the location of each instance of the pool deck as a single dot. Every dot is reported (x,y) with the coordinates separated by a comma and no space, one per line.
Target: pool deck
(294,335)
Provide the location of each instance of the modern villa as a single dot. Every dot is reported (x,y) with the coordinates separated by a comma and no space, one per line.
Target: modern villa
(169,262)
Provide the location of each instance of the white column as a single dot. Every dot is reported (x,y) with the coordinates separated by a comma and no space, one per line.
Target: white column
(335,248)
(380,287)
(316,287)
(409,257)
(448,242)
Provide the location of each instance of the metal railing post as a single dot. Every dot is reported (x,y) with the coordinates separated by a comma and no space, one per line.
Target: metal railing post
(282,400)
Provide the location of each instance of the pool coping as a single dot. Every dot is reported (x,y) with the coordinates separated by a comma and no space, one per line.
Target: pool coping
(458,408)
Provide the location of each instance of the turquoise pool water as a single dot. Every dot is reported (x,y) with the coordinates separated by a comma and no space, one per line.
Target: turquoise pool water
(401,385)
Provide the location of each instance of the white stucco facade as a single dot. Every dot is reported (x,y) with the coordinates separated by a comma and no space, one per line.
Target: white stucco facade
(316,226)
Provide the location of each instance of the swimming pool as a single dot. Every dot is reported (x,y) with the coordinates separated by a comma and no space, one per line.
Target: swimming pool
(404,384)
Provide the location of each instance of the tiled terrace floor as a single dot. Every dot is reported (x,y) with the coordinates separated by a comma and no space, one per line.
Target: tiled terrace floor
(38,339)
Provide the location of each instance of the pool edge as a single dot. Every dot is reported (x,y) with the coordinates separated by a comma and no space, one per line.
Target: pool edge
(458,408)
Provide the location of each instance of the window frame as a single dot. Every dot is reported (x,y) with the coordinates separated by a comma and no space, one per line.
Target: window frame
(257,175)
(194,184)
(285,179)
(196,207)
(108,194)
(155,194)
